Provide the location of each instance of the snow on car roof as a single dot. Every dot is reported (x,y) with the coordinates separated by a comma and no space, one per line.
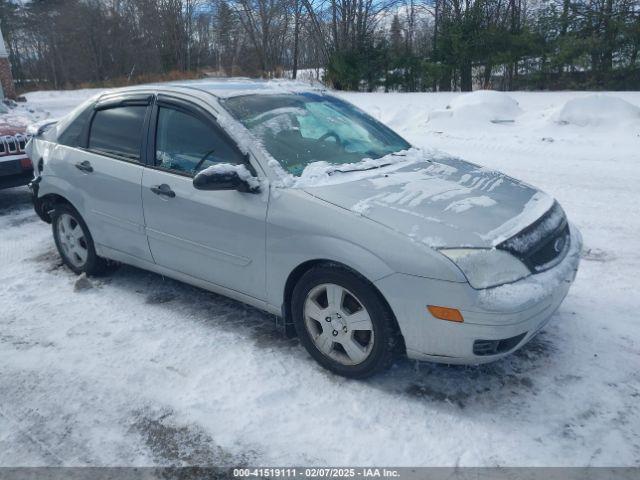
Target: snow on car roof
(222,87)
(230,87)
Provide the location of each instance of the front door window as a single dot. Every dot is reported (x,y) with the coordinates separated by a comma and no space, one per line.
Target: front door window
(187,144)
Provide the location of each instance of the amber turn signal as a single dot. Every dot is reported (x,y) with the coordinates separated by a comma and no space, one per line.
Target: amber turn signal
(445,313)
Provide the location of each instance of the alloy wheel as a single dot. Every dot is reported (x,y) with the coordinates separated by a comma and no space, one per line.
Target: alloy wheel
(338,324)
(72,240)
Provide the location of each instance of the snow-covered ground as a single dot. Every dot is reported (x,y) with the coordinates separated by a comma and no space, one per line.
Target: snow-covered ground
(143,370)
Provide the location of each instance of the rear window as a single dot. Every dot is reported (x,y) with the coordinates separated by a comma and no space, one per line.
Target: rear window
(118,131)
(72,135)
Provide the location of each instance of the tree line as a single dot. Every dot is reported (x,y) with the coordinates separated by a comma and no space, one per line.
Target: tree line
(395,45)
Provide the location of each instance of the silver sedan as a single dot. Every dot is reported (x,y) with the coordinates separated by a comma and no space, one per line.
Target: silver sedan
(296,202)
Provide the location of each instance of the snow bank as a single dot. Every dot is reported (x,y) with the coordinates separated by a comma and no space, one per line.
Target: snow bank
(597,111)
(309,75)
(481,106)
(58,103)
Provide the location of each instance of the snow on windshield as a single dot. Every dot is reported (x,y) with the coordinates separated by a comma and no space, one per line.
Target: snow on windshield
(276,121)
(299,130)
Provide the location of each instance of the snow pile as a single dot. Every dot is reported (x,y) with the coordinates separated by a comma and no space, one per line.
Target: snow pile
(481,106)
(598,111)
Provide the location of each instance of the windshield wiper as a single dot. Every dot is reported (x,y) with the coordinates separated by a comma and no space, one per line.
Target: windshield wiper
(358,169)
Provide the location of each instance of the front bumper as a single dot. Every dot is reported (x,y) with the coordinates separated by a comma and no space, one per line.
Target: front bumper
(14,172)
(17,180)
(504,317)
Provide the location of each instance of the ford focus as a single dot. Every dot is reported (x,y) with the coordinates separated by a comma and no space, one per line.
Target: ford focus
(292,200)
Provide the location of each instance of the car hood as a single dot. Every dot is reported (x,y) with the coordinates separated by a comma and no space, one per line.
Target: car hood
(11,124)
(443,203)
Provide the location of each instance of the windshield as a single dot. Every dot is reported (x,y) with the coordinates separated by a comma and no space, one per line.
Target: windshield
(299,129)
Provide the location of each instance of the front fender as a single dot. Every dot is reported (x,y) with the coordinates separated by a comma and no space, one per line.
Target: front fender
(285,254)
(303,228)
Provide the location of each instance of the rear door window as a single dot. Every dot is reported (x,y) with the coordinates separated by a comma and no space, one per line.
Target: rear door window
(118,131)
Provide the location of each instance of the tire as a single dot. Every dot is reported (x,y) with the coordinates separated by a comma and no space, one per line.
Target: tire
(74,242)
(341,340)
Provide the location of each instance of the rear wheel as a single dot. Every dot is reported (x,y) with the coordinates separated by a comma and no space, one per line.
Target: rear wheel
(74,241)
(343,323)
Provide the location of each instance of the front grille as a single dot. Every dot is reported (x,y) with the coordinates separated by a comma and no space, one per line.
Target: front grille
(542,244)
(13,144)
(494,347)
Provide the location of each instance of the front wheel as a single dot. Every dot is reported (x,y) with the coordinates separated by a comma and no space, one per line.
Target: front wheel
(343,323)
(74,241)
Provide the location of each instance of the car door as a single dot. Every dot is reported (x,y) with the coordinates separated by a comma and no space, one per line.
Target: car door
(216,236)
(108,170)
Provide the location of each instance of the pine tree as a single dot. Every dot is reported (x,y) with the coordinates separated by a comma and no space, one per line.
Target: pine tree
(395,35)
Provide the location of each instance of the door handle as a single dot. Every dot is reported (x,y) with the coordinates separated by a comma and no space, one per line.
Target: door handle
(163,189)
(84,166)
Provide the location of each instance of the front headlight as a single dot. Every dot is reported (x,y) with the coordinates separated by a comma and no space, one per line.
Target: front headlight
(486,268)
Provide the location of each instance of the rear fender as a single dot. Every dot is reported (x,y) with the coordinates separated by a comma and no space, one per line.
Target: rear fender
(47,190)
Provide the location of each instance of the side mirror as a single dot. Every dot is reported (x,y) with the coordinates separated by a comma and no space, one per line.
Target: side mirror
(225,176)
